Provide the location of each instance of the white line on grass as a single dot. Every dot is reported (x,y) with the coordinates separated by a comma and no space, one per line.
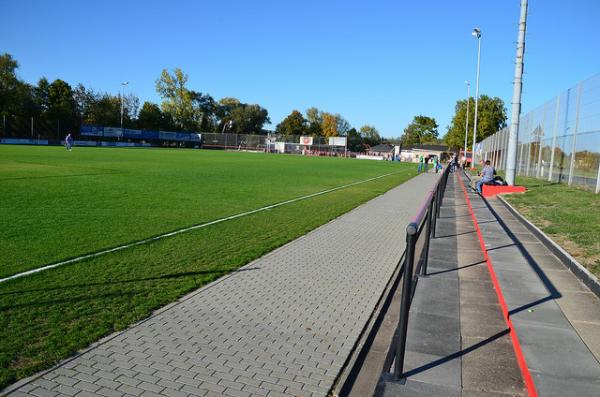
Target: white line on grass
(187,229)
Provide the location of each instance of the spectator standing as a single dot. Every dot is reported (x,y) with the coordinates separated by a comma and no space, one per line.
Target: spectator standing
(69,141)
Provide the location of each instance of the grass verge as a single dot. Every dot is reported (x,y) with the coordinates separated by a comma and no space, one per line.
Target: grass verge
(570,215)
(58,205)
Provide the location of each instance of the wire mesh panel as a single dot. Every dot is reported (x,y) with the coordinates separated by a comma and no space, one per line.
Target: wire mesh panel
(558,141)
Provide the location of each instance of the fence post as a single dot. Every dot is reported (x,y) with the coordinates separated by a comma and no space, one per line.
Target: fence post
(539,170)
(575,132)
(529,135)
(554,128)
(409,259)
(598,180)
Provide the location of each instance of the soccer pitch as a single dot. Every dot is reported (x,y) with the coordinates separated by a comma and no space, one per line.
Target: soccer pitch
(58,205)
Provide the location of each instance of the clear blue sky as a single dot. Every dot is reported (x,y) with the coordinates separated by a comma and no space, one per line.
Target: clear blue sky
(374,62)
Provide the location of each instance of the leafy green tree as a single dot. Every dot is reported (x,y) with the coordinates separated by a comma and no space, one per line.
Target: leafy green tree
(223,112)
(314,129)
(293,124)
(61,105)
(249,119)
(421,130)
(241,118)
(314,115)
(204,111)
(315,120)
(41,95)
(178,100)
(491,118)
(190,110)
(370,135)
(151,117)
(104,110)
(355,140)
(9,84)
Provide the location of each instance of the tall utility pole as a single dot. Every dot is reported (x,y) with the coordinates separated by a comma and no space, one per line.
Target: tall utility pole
(467,121)
(123,84)
(513,137)
(477,34)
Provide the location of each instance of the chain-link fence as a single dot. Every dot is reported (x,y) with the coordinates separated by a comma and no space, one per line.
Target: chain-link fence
(35,128)
(559,141)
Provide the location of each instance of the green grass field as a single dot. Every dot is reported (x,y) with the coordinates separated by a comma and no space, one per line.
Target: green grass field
(570,215)
(58,205)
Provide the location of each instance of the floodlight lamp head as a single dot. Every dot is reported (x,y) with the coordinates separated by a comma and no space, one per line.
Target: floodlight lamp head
(476,33)
(125,83)
(467,82)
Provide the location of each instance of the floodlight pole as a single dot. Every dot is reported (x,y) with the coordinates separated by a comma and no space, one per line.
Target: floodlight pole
(467,121)
(477,34)
(123,84)
(513,137)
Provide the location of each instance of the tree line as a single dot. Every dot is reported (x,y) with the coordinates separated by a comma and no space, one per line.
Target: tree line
(181,109)
(316,122)
(58,106)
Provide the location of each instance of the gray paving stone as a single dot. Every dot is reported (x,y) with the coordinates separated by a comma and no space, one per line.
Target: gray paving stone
(433,334)
(42,392)
(414,388)
(90,387)
(127,389)
(447,373)
(255,390)
(560,386)
(66,390)
(86,394)
(194,391)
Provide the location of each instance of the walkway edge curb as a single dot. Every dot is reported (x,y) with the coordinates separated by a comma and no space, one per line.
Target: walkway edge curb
(347,376)
(583,274)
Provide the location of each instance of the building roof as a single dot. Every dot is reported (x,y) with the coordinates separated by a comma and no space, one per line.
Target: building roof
(382,147)
(438,148)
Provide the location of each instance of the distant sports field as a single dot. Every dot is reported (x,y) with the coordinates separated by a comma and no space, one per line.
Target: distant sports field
(57,205)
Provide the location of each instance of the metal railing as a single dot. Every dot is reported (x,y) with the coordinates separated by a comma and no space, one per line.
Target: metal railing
(419,233)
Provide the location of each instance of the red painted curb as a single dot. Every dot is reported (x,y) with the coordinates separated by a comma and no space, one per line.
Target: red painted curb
(531,390)
(492,190)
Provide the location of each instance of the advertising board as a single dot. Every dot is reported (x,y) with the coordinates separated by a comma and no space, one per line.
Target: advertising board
(91,130)
(337,141)
(111,132)
(306,140)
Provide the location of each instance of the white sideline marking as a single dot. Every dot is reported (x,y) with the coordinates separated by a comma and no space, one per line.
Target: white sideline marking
(187,229)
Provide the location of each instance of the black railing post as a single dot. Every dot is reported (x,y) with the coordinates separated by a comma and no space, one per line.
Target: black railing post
(441,188)
(409,261)
(428,235)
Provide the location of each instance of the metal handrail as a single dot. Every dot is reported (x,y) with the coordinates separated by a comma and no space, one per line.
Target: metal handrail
(424,219)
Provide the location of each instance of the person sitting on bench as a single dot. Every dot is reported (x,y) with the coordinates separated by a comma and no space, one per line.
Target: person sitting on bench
(487,176)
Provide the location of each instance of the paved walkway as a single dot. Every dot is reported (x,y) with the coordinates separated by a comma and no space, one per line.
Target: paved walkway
(458,342)
(282,326)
